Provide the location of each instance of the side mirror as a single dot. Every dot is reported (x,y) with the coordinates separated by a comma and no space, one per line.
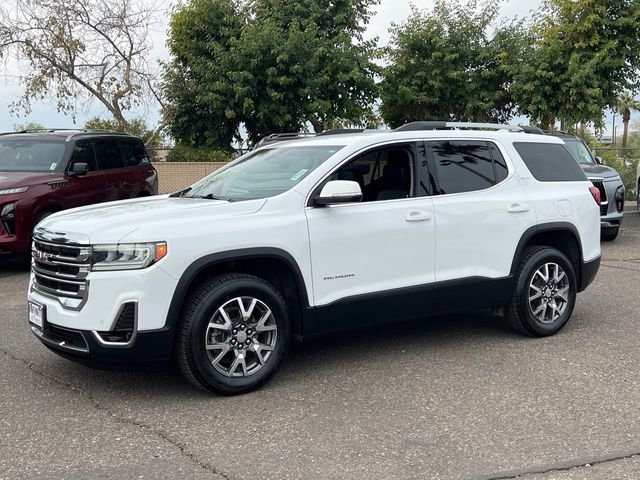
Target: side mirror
(339,191)
(79,169)
(599,160)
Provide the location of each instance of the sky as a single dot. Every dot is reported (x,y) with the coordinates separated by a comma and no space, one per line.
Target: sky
(387,12)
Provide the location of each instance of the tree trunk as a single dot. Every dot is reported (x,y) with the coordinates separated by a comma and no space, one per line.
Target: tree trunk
(626,117)
(581,130)
(317,125)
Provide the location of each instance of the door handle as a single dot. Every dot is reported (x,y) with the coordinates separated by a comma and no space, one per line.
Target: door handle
(518,208)
(418,216)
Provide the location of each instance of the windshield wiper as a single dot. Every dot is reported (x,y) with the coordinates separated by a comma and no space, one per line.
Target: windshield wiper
(181,193)
(210,196)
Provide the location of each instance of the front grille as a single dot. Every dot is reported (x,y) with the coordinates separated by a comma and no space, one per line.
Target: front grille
(604,205)
(61,270)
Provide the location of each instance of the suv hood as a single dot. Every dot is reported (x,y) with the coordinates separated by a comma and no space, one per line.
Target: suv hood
(25,179)
(599,171)
(111,222)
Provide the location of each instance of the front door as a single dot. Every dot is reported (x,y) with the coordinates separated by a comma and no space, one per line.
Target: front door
(373,261)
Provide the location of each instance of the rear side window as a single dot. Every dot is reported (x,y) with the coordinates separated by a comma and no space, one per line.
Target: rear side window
(463,166)
(500,164)
(109,154)
(83,153)
(134,153)
(550,162)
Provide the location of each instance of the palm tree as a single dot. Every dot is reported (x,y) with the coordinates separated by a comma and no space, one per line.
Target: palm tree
(626,103)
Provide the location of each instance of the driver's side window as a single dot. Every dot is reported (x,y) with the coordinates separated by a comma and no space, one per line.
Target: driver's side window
(385,173)
(83,153)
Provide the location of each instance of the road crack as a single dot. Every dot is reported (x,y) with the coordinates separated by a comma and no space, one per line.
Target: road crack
(564,467)
(164,436)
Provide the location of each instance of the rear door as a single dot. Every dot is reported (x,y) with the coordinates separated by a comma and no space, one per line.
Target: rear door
(114,170)
(141,176)
(481,214)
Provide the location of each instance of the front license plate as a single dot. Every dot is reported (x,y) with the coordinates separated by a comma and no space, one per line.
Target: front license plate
(36,314)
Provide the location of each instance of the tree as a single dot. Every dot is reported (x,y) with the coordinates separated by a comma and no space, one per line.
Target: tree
(21,127)
(584,54)
(270,65)
(81,50)
(137,127)
(626,103)
(445,65)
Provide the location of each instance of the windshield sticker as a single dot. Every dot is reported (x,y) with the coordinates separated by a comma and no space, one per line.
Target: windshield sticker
(53,166)
(299,174)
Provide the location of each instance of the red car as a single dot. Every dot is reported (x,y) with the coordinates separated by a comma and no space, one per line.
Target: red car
(43,172)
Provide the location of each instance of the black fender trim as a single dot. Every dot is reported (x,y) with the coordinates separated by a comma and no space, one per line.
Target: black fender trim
(197,267)
(548,227)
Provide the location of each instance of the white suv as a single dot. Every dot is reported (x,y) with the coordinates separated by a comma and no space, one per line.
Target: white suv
(319,235)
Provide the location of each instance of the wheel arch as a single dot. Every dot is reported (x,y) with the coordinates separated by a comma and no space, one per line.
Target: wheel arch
(274,265)
(563,236)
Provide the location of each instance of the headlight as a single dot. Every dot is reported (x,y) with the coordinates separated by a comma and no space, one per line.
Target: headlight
(10,191)
(132,256)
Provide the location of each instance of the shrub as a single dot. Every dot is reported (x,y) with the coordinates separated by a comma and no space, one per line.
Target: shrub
(188,154)
(625,164)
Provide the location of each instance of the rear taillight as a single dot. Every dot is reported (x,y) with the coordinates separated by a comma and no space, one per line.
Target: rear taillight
(596,195)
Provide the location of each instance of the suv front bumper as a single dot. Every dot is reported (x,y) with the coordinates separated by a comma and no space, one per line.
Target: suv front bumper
(84,334)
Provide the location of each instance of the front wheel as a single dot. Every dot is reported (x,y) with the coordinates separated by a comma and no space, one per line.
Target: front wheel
(544,295)
(233,335)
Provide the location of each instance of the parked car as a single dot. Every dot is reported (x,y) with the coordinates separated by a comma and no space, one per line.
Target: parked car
(314,236)
(606,179)
(638,187)
(44,172)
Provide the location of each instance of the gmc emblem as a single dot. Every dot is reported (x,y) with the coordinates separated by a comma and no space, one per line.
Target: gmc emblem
(41,257)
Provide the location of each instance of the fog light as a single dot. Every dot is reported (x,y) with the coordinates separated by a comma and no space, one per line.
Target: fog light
(8,217)
(620,198)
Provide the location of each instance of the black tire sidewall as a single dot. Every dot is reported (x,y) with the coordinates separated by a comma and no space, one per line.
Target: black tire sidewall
(215,299)
(547,255)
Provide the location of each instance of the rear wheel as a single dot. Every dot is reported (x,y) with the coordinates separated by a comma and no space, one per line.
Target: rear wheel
(638,196)
(544,295)
(233,335)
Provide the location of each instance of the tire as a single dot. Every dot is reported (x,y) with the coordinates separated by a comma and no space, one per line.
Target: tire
(610,234)
(638,196)
(248,342)
(523,313)
(41,216)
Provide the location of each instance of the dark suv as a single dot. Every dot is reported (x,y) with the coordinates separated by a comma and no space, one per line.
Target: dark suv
(43,172)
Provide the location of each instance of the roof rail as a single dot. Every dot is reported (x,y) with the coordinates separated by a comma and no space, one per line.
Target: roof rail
(52,130)
(416,126)
(341,131)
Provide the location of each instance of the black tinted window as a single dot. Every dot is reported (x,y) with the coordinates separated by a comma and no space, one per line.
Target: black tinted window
(83,153)
(463,166)
(109,155)
(134,152)
(502,171)
(550,162)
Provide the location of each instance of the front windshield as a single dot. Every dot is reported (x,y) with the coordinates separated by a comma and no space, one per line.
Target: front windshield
(262,174)
(580,152)
(30,155)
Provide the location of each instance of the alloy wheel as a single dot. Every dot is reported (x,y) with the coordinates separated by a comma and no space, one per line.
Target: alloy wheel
(241,337)
(549,290)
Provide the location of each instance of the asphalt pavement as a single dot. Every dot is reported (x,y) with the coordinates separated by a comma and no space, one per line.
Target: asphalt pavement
(457,397)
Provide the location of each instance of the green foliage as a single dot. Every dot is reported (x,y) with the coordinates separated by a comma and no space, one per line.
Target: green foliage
(272,65)
(584,55)
(137,126)
(444,65)
(625,164)
(187,154)
(19,127)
